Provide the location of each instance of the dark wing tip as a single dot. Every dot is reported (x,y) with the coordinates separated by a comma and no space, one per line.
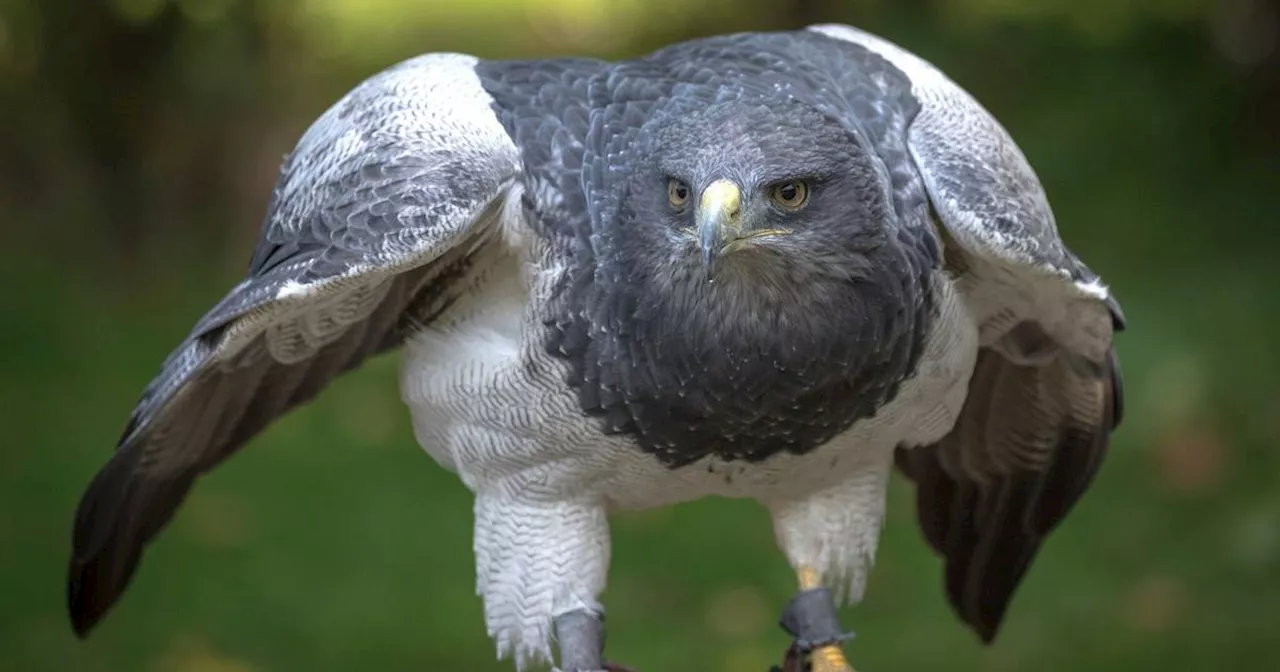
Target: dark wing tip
(89,599)
(191,418)
(989,535)
(122,509)
(95,584)
(83,615)
(96,576)
(986,552)
(987,629)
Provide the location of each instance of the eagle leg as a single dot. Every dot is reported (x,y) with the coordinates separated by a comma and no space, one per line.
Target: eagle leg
(810,617)
(581,636)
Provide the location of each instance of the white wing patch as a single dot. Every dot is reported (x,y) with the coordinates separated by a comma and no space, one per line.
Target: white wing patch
(294,289)
(326,319)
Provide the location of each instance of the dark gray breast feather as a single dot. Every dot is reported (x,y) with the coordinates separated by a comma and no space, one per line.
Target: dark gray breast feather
(575,121)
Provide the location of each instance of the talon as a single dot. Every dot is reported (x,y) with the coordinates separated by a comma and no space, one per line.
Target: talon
(793,661)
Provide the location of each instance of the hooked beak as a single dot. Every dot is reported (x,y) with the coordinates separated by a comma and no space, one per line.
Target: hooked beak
(719,219)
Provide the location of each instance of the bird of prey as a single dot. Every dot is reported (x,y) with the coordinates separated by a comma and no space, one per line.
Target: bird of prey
(765,265)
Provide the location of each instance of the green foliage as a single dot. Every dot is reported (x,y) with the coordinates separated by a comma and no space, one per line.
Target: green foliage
(141,141)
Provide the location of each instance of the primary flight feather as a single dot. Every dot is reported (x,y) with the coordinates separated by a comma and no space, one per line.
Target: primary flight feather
(761,265)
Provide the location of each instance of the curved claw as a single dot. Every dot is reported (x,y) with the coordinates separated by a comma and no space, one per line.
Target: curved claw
(793,661)
(825,659)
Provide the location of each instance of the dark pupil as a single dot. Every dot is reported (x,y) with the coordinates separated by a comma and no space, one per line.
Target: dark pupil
(682,192)
(788,192)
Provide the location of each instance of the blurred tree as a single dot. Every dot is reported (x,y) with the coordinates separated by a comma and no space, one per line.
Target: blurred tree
(120,100)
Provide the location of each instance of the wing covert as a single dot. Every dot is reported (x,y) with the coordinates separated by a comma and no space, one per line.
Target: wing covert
(992,208)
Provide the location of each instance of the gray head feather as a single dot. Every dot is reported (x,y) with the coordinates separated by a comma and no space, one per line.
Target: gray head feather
(793,336)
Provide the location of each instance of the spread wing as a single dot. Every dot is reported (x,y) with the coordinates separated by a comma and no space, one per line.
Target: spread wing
(1026,446)
(381,207)
(1046,391)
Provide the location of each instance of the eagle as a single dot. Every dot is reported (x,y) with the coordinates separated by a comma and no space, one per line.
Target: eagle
(774,266)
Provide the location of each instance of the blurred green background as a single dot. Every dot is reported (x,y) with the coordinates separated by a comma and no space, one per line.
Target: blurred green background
(139,141)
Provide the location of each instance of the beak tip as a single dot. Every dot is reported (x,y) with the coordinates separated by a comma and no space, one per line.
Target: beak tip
(719,212)
(709,261)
